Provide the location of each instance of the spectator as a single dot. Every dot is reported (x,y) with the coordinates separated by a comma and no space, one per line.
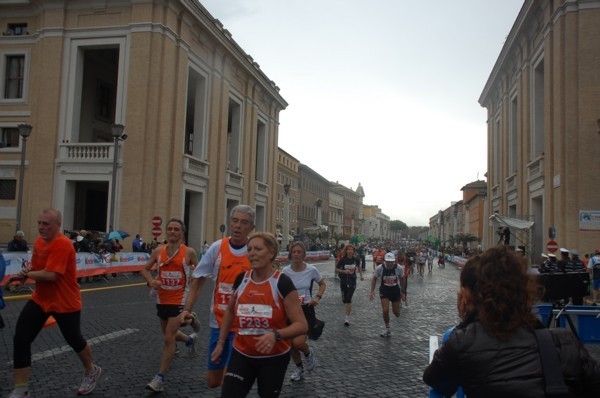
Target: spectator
(18,243)
(494,303)
(138,244)
(83,242)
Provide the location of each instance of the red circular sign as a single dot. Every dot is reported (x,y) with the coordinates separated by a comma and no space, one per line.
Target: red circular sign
(552,246)
(156,221)
(156,231)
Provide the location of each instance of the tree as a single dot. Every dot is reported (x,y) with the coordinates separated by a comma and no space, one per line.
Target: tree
(398,225)
(465,239)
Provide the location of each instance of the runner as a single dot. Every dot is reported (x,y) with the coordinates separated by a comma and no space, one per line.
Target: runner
(430,261)
(303,275)
(266,308)
(53,268)
(223,262)
(421,259)
(173,262)
(390,291)
(378,256)
(346,269)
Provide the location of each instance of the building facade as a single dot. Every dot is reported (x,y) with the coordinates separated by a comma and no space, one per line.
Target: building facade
(543,104)
(200,117)
(287,179)
(313,207)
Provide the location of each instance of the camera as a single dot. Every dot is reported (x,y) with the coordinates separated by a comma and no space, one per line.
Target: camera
(559,286)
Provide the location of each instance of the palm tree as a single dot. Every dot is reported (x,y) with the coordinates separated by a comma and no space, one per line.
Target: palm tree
(465,239)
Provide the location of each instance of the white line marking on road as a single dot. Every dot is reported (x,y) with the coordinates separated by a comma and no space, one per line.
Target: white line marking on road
(92,341)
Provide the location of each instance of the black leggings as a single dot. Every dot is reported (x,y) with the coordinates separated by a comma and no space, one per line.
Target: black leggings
(32,320)
(243,371)
(347,292)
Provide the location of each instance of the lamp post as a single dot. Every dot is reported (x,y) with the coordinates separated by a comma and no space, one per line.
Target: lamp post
(352,230)
(117,133)
(25,132)
(286,217)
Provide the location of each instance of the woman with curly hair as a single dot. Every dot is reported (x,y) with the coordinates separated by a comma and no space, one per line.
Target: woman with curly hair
(493,352)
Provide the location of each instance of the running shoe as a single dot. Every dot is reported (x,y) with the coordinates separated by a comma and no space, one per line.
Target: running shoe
(90,378)
(298,373)
(19,395)
(347,322)
(311,361)
(195,324)
(386,333)
(192,346)
(156,385)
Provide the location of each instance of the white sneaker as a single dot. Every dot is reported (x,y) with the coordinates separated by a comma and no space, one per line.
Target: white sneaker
(156,385)
(347,322)
(195,324)
(386,333)
(19,395)
(89,380)
(298,374)
(311,361)
(192,347)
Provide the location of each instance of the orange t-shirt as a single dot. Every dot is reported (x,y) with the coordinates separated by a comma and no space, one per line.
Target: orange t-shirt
(259,308)
(379,256)
(58,256)
(172,274)
(230,267)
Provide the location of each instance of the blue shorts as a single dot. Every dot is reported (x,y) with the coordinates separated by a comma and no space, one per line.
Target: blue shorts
(225,355)
(596,284)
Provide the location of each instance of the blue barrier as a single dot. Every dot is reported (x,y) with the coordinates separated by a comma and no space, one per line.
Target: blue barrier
(587,317)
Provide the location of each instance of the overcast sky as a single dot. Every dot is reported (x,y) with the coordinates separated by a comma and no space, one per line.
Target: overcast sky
(381,92)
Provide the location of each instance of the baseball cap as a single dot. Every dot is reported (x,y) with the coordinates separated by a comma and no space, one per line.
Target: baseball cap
(20,233)
(389,257)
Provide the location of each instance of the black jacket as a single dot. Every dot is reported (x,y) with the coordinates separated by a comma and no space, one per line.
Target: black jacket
(487,367)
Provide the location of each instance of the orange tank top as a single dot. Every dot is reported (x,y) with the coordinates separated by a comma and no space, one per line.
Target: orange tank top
(230,266)
(259,309)
(173,274)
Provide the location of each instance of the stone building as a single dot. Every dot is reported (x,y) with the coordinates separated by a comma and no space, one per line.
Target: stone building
(201,118)
(543,105)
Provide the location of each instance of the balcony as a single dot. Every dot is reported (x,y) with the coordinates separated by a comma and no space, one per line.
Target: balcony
(235,179)
(511,183)
(194,166)
(535,169)
(86,152)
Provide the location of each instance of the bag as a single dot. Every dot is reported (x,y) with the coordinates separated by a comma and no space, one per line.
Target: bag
(316,330)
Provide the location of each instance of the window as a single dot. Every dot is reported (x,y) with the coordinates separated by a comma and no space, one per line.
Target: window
(16,29)
(14,68)
(8,189)
(10,137)
(14,77)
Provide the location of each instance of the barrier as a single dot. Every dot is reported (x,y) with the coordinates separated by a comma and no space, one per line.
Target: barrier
(88,264)
(587,317)
(92,264)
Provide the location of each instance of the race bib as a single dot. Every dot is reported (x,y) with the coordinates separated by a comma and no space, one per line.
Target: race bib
(350,267)
(224,292)
(390,280)
(171,280)
(254,319)
(304,296)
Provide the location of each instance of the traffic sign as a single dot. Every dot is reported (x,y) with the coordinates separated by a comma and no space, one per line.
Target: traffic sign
(156,231)
(156,221)
(552,246)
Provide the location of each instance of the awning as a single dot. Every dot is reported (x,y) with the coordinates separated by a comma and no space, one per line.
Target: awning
(500,221)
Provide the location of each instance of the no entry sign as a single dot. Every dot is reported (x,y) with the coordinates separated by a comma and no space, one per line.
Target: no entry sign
(552,246)
(156,231)
(156,221)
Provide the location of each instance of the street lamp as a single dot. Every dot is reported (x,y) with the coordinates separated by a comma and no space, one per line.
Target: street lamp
(286,217)
(117,133)
(25,132)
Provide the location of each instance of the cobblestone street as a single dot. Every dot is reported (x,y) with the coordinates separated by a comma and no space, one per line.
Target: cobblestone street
(119,319)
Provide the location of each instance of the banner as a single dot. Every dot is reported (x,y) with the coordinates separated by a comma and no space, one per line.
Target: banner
(88,264)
